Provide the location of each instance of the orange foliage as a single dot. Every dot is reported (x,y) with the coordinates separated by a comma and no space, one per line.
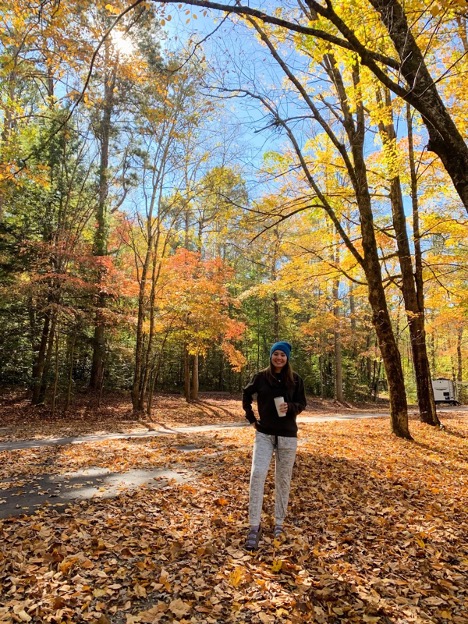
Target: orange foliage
(195,303)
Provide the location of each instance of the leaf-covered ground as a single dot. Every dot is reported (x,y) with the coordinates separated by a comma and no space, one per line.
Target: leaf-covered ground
(377,532)
(89,415)
(112,413)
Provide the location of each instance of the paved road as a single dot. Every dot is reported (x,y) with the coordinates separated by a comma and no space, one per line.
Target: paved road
(164,431)
(61,490)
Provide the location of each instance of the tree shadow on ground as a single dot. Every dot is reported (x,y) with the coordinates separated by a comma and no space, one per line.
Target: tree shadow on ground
(214,409)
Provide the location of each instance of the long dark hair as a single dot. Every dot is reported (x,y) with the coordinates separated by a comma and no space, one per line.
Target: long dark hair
(287,374)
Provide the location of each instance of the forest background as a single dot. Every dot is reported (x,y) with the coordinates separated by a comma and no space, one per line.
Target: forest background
(181,188)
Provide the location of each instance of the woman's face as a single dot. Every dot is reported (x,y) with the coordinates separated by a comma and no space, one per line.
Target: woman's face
(278,359)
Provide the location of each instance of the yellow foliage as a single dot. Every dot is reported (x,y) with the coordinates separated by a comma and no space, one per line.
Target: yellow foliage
(236,577)
(112,9)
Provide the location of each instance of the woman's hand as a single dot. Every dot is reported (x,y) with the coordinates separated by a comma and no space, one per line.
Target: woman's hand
(283,408)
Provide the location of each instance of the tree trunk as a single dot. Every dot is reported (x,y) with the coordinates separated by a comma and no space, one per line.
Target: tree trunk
(368,362)
(418,272)
(101,235)
(276,314)
(338,367)
(70,358)
(371,265)
(156,369)
(276,307)
(352,311)
(99,345)
(221,385)
(195,380)
(156,270)
(139,353)
(48,359)
(56,374)
(337,345)
(432,417)
(44,353)
(390,354)
(143,346)
(376,379)
(320,367)
(414,313)
(39,363)
(186,375)
(152,382)
(459,354)
(40,366)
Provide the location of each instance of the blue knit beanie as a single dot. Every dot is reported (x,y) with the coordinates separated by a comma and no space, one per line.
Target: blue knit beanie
(283,346)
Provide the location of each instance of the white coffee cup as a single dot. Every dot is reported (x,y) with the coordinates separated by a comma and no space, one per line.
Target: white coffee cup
(279,401)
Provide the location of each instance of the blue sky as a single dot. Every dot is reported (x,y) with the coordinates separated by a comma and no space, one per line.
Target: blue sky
(232,55)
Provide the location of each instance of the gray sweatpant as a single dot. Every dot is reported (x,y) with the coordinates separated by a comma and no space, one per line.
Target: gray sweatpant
(285,455)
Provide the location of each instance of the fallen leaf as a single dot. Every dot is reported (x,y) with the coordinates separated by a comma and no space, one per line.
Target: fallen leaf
(179,608)
(236,576)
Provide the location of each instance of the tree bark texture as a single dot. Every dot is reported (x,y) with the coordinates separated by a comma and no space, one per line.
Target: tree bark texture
(101,236)
(414,313)
(459,354)
(48,360)
(40,359)
(186,375)
(140,346)
(337,344)
(195,379)
(355,129)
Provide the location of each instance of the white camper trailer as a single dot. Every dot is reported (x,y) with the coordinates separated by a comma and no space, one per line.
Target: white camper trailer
(444,391)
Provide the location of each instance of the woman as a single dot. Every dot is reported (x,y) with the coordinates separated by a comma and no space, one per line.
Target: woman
(276,432)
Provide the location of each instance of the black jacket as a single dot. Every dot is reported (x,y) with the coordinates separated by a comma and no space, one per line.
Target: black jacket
(266,390)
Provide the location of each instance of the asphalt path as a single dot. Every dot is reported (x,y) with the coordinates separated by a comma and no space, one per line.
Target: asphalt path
(59,491)
(164,431)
